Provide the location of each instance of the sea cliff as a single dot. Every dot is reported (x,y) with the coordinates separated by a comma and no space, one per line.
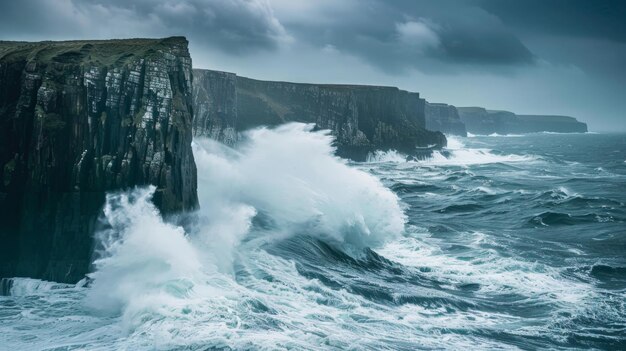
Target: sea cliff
(444,118)
(362,118)
(479,120)
(79,119)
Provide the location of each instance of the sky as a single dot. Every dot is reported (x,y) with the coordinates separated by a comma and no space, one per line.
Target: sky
(563,57)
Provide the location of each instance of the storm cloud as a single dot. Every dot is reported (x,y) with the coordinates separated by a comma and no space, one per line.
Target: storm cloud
(602,19)
(392,35)
(395,35)
(235,26)
(531,56)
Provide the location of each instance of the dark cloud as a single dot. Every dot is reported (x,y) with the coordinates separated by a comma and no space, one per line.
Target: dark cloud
(593,19)
(443,36)
(427,35)
(561,56)
(469,34)
(392,35)
(589,35)
(236,26)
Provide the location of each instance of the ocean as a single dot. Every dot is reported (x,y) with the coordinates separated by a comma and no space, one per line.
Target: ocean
(496,242)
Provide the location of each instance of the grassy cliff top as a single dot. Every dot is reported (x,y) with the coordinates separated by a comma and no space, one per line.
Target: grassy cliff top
(199,71)
(105,52)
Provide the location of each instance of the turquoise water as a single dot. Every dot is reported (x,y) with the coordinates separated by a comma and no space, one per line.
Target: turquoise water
(498,242)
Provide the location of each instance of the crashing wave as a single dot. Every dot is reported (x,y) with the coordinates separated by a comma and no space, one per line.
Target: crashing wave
(470,135)
(380,156)
(455,154)
(287,178)
(28,286)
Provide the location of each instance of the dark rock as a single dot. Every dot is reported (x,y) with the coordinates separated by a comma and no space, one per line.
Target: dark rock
(215,105)
(481,121)
(79,119)
(362,118)
(444,118)
(547,123)
(5,286)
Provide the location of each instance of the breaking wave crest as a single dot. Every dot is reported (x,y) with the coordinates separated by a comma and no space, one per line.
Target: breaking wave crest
(280,183)
(455,154)
(295,249)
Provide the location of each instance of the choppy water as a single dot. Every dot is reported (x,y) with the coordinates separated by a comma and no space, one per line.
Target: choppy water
(496,243)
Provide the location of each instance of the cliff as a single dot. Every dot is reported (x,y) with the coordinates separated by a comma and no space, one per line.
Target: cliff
(444,118)
(79,119)
(548,123)
(215,105)
(362,118)
(481,121)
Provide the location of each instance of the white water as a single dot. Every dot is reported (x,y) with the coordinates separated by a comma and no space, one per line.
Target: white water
(150,270)
(456,153)
(290,175)
(386,156)
(157,286)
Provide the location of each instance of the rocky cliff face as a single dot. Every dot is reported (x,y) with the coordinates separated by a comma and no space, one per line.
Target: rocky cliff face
(215,105)
(548,123)
(478,120)
(481,121)
(444,118)
(362,118)
(79,119)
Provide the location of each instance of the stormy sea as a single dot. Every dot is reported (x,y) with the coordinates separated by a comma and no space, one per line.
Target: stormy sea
(496,242)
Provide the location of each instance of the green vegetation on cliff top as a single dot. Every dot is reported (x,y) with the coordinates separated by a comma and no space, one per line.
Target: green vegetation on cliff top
(98,52)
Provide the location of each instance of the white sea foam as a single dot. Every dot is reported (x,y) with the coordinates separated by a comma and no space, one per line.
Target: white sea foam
(386,156)
(487,190)
(494,273)
(289,175)
(454,142)
(28,286)
(213,285)
(470,135)
(506,135)
(455,153)
(474,157)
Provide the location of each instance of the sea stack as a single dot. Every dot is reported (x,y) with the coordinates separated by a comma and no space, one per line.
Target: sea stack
(79,119)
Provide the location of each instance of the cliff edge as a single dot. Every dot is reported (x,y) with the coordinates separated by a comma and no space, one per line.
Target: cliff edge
(444,118)
(79,119)
(362,118)
(479,120)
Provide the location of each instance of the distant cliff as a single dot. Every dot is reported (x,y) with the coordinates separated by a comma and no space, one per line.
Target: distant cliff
(549,123)
(215,105)
(481,121)
(444,118)
(78,119)
(362,118)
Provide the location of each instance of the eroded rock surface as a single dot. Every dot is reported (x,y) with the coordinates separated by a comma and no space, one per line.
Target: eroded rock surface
(444,118)
(479,120)
(79,119)
(362,118)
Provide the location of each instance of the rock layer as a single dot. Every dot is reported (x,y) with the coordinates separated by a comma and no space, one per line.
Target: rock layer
(444,118)
(479,120)
(362,118)
(215,105)
(79,119)
(550,123)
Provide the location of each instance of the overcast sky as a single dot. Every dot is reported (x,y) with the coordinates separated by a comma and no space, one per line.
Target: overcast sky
(531,56)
